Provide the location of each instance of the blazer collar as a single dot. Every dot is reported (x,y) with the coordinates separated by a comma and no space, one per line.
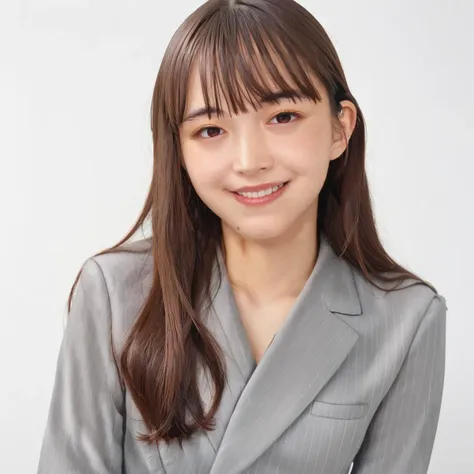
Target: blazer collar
(305,353)
(331,277)
(261,401)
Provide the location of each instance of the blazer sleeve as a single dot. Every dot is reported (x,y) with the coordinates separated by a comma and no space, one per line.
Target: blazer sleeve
(401,434)
(84,427)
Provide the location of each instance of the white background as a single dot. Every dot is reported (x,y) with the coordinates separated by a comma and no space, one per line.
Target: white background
(76,79)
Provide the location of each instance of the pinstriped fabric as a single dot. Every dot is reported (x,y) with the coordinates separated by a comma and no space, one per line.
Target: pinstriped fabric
(352,380)
(401,432)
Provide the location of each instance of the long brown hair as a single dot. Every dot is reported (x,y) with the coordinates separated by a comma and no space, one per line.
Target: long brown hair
(158,362)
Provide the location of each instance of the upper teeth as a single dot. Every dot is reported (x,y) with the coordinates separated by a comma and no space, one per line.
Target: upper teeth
(263,192)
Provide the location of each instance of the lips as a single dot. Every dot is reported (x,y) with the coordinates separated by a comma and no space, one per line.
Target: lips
(260,187)
(262,192)
(262,197)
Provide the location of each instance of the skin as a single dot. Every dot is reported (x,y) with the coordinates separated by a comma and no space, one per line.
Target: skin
(270,249)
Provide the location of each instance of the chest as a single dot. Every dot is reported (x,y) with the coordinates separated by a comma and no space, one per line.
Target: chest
(305,408)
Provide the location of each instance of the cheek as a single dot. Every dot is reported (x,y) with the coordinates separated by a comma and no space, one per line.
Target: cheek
(205,169)
(206,181)
(308,152)
(305,160)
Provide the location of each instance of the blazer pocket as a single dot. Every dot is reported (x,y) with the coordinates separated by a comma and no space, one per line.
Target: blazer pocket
(339,411)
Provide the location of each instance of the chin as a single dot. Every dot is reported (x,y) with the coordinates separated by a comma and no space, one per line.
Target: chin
(261,231)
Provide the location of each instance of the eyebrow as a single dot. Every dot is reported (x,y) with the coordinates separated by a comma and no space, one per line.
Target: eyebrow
(273,97)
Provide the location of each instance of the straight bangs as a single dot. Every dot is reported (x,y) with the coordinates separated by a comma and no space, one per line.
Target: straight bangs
(241,60)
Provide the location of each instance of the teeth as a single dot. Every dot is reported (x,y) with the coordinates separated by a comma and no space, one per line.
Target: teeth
(263,192)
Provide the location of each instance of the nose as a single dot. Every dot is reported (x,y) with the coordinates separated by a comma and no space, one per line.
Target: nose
(251,153)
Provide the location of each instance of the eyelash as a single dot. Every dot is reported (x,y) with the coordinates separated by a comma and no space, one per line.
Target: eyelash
(283,112)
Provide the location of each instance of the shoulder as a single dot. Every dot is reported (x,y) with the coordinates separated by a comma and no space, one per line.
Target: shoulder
(408,294)
(398,314)
(126,266)
(125,275)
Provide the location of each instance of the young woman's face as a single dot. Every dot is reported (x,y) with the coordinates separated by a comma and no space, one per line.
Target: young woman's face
(286,142)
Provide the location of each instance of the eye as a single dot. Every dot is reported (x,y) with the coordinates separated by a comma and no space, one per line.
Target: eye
(212,132)
(285,117)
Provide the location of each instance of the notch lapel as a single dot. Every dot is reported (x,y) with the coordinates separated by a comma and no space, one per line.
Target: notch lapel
(304,355)
(224,323)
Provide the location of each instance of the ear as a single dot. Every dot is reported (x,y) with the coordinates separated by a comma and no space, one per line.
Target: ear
(343,130)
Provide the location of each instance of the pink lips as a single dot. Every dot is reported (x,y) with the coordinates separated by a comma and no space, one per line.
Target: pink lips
(263,199)
(256,189)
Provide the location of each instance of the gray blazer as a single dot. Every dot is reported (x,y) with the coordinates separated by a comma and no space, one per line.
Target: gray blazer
(355,375)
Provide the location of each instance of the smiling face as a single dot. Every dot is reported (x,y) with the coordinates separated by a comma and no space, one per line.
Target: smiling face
(287,139)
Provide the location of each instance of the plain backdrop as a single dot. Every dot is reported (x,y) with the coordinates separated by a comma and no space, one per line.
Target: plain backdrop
(76,79)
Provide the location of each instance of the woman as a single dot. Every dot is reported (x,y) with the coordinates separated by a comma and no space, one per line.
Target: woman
(262,328)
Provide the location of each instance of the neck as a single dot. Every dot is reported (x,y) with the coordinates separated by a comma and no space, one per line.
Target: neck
(263,272)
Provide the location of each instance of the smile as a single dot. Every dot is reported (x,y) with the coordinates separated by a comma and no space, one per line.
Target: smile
(264,196)
(263,192)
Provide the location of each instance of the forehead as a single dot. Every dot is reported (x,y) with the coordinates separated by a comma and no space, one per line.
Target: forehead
(242,87)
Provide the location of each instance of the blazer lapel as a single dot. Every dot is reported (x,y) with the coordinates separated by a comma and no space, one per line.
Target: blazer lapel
(223,321)
(305,353)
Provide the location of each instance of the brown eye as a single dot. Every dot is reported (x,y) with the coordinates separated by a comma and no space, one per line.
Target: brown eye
(285,117)
(212,132)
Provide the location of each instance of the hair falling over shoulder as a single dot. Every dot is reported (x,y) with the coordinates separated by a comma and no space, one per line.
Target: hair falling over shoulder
(159,360)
